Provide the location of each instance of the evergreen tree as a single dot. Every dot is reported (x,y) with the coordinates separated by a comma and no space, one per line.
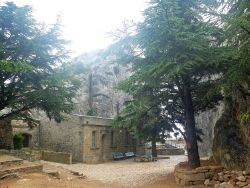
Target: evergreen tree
(171,52)
(33,69)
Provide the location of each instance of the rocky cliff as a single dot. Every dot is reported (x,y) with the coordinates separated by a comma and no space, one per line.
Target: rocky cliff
(231,145)
(226,130)
(206,122)
(98,95)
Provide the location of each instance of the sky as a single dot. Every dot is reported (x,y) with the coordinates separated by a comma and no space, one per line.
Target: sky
(86,22)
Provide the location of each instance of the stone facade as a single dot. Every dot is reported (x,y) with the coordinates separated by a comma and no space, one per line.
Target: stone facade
(107,140)
(6,140)
(66,136)
(58,157)
(30,135)
(89,139)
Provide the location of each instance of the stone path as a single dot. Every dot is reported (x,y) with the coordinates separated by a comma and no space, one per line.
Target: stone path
(126,172)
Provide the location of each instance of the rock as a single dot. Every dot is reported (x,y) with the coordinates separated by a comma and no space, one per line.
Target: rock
(79,174)
(239,173)
(232,182)
(241,184)
(102,76)
(217,185)
(10,175)
(221,179)
(228,186)
(220,173)
(207,182)
(248,186)
(223,185)
(225,149)
(226,172)
(226,177)
(216,177)
(82,177)
(246,172)
(241,178)
(52,173)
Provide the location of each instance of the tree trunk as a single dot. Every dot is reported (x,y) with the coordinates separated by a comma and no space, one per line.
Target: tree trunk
(191,138)
(154,152)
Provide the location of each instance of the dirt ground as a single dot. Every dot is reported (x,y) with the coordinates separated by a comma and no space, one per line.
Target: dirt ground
(39,180)
(107,176)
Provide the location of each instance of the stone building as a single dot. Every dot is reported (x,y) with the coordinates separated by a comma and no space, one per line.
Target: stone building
(6,139)
(88,139)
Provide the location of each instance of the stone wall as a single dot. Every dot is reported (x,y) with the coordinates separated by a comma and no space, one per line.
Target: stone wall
(186,177)
(6,138)
(172,151)
(66,136)
(58,157)
(23,128)
(104,146)
(74,136)
(206,122)
(33,156)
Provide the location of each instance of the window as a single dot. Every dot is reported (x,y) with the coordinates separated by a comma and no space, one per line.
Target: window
(94,139)
(126,138)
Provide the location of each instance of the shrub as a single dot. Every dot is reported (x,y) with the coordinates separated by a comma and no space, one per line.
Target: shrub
(18,141)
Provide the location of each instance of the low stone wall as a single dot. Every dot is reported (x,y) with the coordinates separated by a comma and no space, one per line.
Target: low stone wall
(58,157)
(34,156)
(174,151)
(229,179)
(187,177)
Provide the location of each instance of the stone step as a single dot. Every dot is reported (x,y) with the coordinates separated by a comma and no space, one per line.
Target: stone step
(25,167)
(7,160)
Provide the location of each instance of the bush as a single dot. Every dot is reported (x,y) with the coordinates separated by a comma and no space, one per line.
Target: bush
(18,141)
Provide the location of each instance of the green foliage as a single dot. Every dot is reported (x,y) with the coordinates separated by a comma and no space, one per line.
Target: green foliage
(16,67)
(236,26)
(174,47)
(91,112)
(244,118)
(34,72)
(18,141)
(178,60)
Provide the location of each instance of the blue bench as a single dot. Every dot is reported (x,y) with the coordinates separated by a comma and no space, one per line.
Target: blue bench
(129,154)
(118,156)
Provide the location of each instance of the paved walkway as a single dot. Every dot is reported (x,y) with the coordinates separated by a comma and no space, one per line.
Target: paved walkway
(126,172)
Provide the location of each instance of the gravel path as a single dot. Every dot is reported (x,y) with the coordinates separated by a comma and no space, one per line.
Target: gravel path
(126,172)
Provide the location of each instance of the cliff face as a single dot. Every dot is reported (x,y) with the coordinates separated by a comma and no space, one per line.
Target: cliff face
(98,95)
(206,122)
(231,145)
(226,130)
